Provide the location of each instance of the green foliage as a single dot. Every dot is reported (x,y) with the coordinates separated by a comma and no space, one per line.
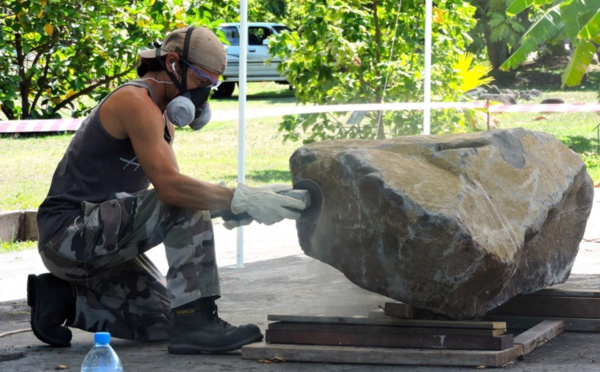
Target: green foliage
(352,52)
(54,53)
(16,246)
(577,20)
(592,163)
(502,27)
(495,31)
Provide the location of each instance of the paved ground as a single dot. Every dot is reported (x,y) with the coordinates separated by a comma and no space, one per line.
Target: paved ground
(277,279)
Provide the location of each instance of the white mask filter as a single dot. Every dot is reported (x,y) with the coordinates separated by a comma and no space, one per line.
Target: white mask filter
(201,120)
(181,111)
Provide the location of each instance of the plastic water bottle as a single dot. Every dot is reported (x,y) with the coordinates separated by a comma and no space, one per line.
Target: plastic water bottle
(102,357)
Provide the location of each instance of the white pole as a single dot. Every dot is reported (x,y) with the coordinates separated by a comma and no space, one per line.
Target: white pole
(427,82)
(242,117)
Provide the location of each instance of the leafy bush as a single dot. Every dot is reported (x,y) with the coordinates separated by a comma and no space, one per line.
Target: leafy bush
(57,55)
(351,52)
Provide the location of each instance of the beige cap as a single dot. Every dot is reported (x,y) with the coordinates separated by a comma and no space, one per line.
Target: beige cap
(205,48)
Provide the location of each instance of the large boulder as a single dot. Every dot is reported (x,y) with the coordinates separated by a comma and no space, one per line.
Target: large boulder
(456,224)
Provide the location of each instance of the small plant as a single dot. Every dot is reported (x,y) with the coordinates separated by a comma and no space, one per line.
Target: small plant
(592,162)
(14,246)
(471,75)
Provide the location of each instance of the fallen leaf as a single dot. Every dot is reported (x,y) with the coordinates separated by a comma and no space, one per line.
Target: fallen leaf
(276,359)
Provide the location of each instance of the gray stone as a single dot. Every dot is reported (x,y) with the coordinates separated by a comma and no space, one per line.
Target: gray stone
(456,224)
(506,99)
(30,231)
(552,101)
(529,94)
(18,226)
(494,90)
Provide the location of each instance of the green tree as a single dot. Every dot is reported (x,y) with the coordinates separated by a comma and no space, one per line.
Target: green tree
(496,32)
(371,52)
(577,20)
(55,53)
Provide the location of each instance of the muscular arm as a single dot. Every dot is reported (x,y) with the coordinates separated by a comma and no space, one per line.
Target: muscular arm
(131,113)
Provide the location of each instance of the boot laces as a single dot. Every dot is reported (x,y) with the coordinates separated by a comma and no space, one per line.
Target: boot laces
(213,315)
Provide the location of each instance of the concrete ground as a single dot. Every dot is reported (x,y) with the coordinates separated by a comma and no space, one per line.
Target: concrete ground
(277,278)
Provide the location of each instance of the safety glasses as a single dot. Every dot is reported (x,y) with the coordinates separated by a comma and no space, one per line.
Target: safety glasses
(214,84)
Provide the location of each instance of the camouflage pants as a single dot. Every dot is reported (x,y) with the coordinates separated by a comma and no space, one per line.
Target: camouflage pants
(119,290)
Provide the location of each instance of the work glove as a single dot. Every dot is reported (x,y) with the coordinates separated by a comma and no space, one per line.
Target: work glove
(229,219)
(232,224)
(264,203)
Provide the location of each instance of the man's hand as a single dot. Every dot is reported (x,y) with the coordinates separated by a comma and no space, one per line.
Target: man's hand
(264,203)
(232,224)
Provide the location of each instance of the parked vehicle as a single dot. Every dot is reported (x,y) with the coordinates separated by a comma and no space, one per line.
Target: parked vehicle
(258,69)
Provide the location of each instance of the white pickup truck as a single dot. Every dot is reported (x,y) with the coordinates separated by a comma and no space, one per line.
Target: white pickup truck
(258,54)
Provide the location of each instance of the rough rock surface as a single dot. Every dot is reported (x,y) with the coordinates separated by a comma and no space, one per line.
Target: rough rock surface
(456,224)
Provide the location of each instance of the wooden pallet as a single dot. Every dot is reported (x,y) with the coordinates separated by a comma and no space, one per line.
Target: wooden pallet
(579,309)
(396,341)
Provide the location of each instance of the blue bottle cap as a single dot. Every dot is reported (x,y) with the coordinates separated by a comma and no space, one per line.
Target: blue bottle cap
(102,338)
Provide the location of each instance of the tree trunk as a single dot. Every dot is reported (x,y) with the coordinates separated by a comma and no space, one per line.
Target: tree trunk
(497,51)
(379,90)
(24,84)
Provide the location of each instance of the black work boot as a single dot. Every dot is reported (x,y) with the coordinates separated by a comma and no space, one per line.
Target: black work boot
(196,328)
(52,302)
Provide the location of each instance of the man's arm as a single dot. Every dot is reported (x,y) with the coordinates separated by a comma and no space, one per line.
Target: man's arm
(131,113)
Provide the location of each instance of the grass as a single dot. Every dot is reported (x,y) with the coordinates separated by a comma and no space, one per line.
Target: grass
(211,154)
(6,247)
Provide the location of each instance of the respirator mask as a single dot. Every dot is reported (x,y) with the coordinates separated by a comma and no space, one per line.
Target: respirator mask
(191,106)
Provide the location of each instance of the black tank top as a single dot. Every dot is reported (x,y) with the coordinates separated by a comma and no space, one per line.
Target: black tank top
(95,167)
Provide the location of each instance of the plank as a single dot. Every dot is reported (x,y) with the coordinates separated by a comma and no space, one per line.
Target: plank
(399,310)
(383,356)
(378,337)
(566,292)
(368,329)
(539,335)
(391,322)
(570,324)
(550,306)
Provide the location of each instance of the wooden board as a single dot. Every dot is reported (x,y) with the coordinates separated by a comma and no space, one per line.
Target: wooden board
(382,356)
(399,310)
(390,322)
(550,306)
(539,335)
(379,338)
(527,341)
(368,328)
(570,324)
(566,292)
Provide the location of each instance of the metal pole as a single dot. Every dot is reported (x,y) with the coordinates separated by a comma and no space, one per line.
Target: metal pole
(242,117)
(487,108)
(427,82)
(597,139)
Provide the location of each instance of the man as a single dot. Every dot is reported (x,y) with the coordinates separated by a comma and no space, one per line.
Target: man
(100,216)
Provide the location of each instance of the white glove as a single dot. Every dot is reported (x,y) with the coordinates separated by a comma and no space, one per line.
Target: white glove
(264,204)
(232,224)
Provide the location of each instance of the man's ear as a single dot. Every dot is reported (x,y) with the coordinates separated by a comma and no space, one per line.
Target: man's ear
(172,61)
